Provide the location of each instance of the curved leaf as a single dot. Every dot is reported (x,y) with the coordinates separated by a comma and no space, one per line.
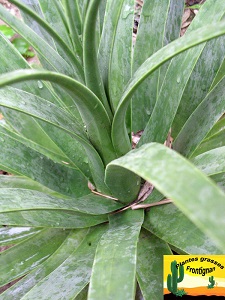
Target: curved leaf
(15,235)
(53,60)
(211,162)
(119,134)
(121,54)
(74,22)
(150,264)
(20,259)
(220,180)
(91,109)
(169,173)
(113,275)
(51,218)
(124,184)
(168,223)
(201,121)
(59,33)
(153,32)
(91,70)
(19,159)
(14,199)
(216,140)
(69,279)
(68,246)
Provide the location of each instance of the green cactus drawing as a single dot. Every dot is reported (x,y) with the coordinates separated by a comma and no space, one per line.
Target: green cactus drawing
(212,283)
(173,279)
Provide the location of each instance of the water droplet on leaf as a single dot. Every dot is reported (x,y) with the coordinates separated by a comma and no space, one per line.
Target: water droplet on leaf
(178,79)
(40,84)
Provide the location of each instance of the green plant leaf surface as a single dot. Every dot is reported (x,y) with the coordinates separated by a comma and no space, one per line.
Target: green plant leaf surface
(153,32)
(91,70)
(113,275)
(53,60)
(112,14)
(194,85)
(34,165)
(213,139)
(76,269)
(74,23)
(24,199)
(21,182)
(7,31)
(20,259)
(211,162)
(157,132)
(71,242)
(201,121)
(150,264)
(15,235)
(220,180)
(168,223)
(51,218)
(91,109)
(39,108)
(121,54)
(124,184)
(169,173)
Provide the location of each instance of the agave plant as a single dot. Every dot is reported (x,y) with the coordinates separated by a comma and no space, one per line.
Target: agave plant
(87,215)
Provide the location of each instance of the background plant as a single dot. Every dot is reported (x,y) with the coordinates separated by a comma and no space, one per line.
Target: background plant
(70,123)
(21,45)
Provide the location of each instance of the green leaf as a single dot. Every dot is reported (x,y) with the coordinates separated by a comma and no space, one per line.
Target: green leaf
(20,259)
(124,184)
(42,18)
(7,31)
(91,109)
(194,85)
(51,218)
(91,70)
(49,57)
(69,279)
(153,32)
(112,14)
(21,45)
(168,223)
(156,133)
(201,121)
(39,108)
(211,162)
(21,182)
(38,167)
(220,180)
(150,264)
(113,275)
(213,139)
(74,23)
(15,235)
(121,54)
(71,242)
(169,173)
(14,199)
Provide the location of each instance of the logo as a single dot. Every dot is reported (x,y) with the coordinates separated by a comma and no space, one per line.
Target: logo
(194,276)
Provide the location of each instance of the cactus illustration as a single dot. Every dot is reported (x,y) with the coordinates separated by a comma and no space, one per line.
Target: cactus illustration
(212,283)
(173,279)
